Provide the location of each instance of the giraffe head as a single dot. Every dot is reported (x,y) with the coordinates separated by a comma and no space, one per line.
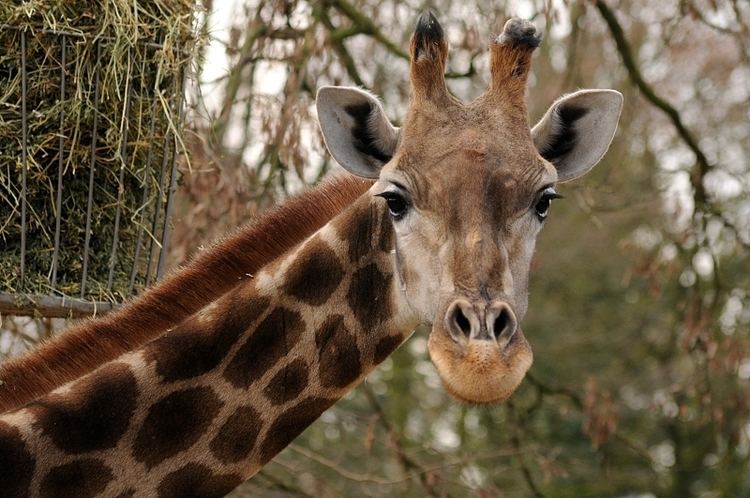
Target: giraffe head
(468,188)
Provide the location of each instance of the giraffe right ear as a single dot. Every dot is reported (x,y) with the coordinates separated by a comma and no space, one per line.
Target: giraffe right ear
(356,130)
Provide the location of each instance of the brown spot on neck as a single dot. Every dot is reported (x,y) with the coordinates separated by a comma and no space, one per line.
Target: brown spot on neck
(276,335)
(369,296)
(16,462)
(197,481)
(288,382)
(315,273)
(85,478)
(339,362)
(236,438)
(290,424)
(199,344)
(93,414)
(174,424)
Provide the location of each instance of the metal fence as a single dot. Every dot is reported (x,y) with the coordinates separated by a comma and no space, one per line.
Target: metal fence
(126,182)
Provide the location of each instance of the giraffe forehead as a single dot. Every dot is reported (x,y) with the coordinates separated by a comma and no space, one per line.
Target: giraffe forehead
(467,187)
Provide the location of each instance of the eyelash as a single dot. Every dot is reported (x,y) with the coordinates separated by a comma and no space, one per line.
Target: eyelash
(398,206)
(542,205)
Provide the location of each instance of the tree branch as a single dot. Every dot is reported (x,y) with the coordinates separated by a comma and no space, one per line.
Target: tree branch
(337,42)
(407,462)
(363,25)
(702,165)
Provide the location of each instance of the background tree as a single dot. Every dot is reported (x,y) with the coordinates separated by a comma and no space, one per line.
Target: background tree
(640,304)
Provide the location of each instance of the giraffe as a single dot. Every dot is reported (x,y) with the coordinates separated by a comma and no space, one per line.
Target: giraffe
(443,236)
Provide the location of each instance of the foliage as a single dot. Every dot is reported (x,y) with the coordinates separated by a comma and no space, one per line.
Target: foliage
(640,293)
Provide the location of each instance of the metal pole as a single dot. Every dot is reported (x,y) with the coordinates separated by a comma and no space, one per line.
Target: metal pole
(24,158)
(90,203)
(60,166)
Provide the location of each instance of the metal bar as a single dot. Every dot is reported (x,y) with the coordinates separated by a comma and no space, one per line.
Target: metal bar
(172,182)
(155,224)
(121,182)
(144,200)
(60,166)
(146,186)
(90,203)
(51,306)
(157,211)
(24,158)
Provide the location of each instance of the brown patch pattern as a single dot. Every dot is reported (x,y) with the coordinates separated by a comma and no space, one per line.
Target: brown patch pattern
(290,424)
(357,227)
(236,438)
(315,273)
(369,296)
(288,382)
(93,415)
(338,357)
(272,340)
(385,347)
(83,478)
(175,423)
(197,481)
(15,461)
(195,347)
(385,239)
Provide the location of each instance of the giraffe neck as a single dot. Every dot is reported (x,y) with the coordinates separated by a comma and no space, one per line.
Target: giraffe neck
(207,404)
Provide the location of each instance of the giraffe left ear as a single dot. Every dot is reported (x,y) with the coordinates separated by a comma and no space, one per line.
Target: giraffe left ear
(577,129)
(356,130)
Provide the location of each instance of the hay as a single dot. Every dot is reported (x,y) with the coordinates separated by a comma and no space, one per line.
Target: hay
(124,62)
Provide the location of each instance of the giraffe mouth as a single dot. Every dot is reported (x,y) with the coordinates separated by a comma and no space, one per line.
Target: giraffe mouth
(479,371)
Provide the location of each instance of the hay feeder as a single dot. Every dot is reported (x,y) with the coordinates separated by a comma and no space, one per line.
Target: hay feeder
(90,110)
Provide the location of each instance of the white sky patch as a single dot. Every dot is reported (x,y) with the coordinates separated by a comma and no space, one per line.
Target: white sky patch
(217,64)
(270,77)
(473,476)
(703,263)
(743,371)
(445,437)
(662,455)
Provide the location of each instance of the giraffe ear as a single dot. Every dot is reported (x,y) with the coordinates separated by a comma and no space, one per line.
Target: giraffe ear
(577,129)
(356,129)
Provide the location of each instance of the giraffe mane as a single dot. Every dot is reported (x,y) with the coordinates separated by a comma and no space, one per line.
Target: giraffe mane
(210,274)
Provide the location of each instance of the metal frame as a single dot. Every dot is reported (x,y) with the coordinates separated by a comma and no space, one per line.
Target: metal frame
(56,304)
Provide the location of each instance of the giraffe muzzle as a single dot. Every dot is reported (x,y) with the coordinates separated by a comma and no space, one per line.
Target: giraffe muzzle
(493,321)
(479,350)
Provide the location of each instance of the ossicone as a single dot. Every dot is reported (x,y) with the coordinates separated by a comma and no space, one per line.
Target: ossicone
(429,51)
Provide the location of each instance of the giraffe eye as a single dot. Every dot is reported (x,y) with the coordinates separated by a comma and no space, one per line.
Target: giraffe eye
(397,205)
(541,208)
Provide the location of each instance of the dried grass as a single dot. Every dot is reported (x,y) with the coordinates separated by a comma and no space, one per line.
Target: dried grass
(122,71)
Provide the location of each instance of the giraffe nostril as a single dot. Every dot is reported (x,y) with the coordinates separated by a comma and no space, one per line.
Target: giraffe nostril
(501,323)
(462,322)
(504,322)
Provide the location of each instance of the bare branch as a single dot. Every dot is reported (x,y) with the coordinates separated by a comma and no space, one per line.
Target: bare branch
(407,462)
(702,165)
(363,25)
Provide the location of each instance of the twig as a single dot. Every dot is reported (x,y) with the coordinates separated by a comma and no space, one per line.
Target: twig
(563,391)
(281,485)
(364,25)
(702,165)
(346,474)
(516,442)
(338,45)
(407,462)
